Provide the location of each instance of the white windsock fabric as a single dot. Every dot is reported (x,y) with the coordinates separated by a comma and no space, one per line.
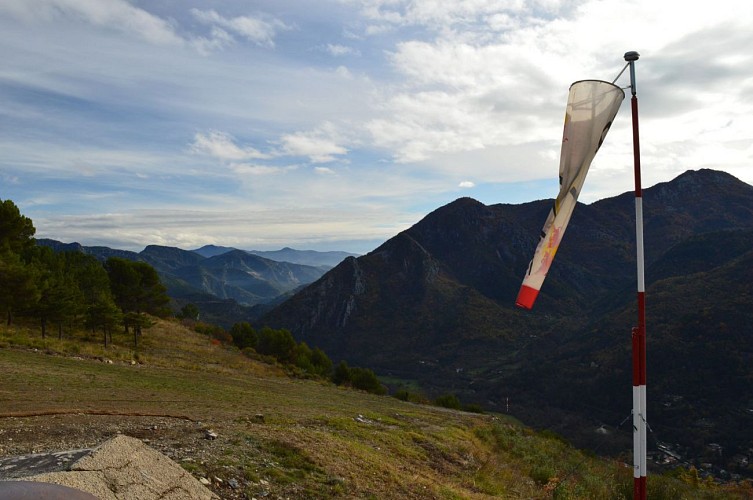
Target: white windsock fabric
(591,108)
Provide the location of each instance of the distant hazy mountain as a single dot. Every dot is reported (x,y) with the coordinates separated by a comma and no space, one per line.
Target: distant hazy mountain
(435,306)
(249,279)
(305,257)
(166,259)
(212,250)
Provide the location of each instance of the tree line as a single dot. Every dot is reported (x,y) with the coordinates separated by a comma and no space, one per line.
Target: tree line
(281,346)
(70,290)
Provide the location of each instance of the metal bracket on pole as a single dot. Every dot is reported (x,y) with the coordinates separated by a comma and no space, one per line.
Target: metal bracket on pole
(631,57)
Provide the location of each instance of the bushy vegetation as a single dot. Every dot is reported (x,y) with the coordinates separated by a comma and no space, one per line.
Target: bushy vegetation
(448,401)
(280,346)
(412,397)
(452,401)
(71,290)
(358,378)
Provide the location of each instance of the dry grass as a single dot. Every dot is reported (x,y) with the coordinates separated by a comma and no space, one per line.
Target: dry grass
(277,436)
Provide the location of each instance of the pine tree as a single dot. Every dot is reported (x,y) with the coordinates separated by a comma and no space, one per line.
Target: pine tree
(18,291)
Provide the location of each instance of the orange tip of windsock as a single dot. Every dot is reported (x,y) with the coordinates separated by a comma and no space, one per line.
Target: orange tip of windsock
(526,297)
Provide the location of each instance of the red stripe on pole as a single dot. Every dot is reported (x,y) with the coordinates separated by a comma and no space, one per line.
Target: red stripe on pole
(639,488)
(636,147)
(526,297)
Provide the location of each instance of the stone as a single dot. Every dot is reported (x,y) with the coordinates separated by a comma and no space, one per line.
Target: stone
(124,468)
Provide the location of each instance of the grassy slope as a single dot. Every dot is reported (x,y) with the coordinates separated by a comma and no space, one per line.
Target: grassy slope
(314,441)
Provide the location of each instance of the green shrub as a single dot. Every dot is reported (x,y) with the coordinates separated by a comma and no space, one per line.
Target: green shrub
(358,378)
(542,473)
(341,375)
(366,380)
(244,335)
(448,401)
(277,343)
(473,408)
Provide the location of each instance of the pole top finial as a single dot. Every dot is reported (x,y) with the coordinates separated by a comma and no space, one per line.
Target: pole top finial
(632,56)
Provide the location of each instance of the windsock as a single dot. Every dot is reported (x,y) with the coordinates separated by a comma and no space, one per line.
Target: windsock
(591,108)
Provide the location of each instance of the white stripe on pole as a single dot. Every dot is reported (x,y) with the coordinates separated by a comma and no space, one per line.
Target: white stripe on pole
(644,469)
(637,432)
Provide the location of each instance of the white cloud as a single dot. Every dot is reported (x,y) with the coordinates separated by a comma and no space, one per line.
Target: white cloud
(341,50)
(440,16)
(320,145)
(466,184)
(120,15)
(343,72)
(497,87)
(263,227)
(106,97)
(218,39)
(117,15)
(255,29)
(251,169)
(221,145)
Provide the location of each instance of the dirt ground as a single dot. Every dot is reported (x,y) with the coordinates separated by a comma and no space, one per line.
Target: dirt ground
(182,440)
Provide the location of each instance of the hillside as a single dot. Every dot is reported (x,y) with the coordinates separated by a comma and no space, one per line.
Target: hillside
(280,437)
(433,307)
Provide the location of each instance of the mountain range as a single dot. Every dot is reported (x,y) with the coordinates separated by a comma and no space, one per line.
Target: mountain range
(314,258)
(228,285)
(433,309)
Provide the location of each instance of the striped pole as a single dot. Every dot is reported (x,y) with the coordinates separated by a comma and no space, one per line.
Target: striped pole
(639,332)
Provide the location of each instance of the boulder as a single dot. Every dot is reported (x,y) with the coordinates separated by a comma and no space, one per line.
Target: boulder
(124,468)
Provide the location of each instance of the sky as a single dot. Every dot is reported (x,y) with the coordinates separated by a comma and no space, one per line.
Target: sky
(336,124)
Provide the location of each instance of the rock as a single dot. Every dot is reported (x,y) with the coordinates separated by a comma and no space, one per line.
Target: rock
(233,483)
(205,481)
(124,468)
(210,434)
